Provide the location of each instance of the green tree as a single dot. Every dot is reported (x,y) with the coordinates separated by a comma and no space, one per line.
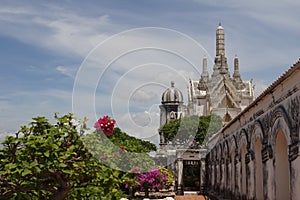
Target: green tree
(50,161)
(180,130)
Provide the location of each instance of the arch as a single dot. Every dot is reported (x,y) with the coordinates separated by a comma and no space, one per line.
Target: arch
(243,136)
(280,121)
(233,143)
(225,146)
(282,168)
(256,143)
(243,146)
(256,132)
(243,139)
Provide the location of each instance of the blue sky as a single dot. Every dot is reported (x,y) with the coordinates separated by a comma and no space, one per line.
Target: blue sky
(65,56)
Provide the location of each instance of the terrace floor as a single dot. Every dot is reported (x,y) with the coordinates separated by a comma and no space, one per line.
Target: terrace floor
(190,197)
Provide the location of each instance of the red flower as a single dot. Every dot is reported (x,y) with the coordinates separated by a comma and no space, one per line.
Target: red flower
(106,124)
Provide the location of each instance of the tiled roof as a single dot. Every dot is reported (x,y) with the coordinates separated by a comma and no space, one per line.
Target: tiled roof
(277,82)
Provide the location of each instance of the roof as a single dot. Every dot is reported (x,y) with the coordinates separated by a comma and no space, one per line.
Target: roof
(269,89)
(172,95)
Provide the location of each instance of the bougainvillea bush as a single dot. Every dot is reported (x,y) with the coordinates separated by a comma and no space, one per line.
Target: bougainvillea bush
(55,161)
(156,179)
(117,149)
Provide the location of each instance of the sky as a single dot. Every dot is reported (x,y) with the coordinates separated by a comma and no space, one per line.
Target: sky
(95,58)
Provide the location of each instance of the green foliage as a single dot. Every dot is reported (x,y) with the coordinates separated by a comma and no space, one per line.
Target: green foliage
(50,161)
(120,151)
(131,144)
(169,175)
(180,130)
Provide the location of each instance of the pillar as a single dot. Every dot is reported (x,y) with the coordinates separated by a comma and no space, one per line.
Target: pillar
(202,174)
(180,176)
(268,173)
(294,159)
(237,176)
(250,175)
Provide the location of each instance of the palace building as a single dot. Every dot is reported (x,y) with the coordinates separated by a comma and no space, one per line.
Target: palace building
(256,153)
(220,93)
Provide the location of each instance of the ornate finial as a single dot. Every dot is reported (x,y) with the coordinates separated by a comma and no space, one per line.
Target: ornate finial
(172,83)
(220,24)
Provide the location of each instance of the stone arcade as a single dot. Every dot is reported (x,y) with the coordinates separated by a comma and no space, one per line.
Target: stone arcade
(256,154)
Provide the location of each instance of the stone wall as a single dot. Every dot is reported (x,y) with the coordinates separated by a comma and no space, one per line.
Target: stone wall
(257,153)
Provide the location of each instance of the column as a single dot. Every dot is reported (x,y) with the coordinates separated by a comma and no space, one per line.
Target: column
(180,176)
(237,177)
(222,170)
(268,172)
(202,175)
(294,159)
(228,177)
(250,174)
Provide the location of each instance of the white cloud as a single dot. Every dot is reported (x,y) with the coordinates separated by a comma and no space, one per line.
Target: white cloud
(132,85)
(68,71)
(58,30)
(142,125)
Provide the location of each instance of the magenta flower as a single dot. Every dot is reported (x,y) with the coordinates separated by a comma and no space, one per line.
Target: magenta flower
(106,124)
(153,180)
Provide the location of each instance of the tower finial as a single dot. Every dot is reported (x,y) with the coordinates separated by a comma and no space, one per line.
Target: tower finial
(204,74)
(172,83)
(220,24)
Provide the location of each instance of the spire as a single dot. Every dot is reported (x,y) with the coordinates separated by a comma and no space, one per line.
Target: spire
(221,66)
(172,84)
(189,91)
(220,41)
(236,74)
(204,74)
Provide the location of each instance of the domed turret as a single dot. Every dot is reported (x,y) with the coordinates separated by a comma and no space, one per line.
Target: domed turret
(172,95)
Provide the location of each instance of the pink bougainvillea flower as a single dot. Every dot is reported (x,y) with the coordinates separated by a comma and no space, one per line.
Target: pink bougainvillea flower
(106,124)
(153,179)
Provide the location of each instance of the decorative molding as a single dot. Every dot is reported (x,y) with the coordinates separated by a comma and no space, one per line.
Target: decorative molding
(222,161)
(294,151)
(267,153)
(258,113)
(236,159)
(294,109)
(247,158)
(251,154)
(266,125)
